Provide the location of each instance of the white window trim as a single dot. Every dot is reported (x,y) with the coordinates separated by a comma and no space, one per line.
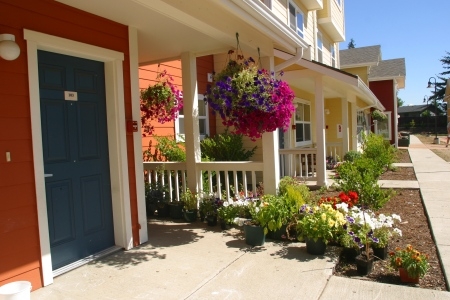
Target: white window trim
(333,55)
(304,143)
(388,114)
(179,136)
(297,11)
(319,49)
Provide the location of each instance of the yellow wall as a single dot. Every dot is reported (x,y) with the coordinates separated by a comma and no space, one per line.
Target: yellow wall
(332,119)
(362,72)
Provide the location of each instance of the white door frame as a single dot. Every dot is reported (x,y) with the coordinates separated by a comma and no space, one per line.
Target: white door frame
(116,136)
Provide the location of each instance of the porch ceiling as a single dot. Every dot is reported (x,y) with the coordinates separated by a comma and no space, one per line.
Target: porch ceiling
(167,28)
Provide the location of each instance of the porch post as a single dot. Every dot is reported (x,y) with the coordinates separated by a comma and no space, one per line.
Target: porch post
(320,132)
(190,109)
(353,129)
(345,127)
(271,157)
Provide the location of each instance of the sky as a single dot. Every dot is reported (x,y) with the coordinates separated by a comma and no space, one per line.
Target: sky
(418,31)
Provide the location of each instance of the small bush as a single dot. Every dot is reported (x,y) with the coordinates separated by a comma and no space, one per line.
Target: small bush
(225,147)
(351,155)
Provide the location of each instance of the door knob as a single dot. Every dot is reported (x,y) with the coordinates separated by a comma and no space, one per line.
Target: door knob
(48,175)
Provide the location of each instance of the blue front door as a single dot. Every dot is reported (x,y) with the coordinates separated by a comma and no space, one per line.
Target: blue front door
(76,162)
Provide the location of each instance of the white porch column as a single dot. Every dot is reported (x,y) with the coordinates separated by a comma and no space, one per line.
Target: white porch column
(345,127)
(320,133)
(271,157)
(354,127)
(190,108)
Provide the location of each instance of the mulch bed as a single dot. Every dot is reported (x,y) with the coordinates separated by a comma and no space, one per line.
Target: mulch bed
(415,231)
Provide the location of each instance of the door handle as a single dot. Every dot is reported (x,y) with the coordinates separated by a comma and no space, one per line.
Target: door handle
(48,175)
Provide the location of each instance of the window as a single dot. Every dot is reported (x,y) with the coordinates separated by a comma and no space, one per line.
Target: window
(319,47)
(296,19)
(302,124)
(203,120)
(268,3)
(333,55)
(361,125)
(383,128)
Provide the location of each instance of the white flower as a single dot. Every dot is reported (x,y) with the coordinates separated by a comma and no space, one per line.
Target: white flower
(396,217)
(343,206)
(398,231)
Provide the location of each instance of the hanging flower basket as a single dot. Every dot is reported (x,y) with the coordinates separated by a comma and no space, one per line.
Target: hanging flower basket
(378,115)
(250,99)
(161,101)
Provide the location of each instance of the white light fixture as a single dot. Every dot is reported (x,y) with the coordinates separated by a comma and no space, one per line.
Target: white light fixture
(9,50)
(327,111)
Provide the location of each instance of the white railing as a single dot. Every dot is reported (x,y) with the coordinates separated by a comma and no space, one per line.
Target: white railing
(298,162)
(245,177)
(334,150)
(167,174)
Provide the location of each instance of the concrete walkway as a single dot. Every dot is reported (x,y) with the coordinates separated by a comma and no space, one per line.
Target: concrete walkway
(194,261)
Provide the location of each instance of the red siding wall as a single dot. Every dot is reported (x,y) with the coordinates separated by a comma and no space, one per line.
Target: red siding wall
(384,90)
(19,236)
(147,76)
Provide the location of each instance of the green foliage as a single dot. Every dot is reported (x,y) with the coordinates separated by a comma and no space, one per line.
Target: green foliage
(412,124)
(228,212)
(170,149)
(375,147)
(351,155)
(294,191)
(225,147)
(361,176)
(189,200)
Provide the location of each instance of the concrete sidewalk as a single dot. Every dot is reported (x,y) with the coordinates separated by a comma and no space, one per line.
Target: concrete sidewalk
(194,261)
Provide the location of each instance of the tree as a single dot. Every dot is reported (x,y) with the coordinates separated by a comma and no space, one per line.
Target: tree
(352,44)
(441,83)
(400,102)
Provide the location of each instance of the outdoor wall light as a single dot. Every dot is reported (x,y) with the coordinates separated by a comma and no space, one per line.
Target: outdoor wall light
(9,50)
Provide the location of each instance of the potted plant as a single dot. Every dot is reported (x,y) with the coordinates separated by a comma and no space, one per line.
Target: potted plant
(278,213)
(227,213)
(383,231)
(190,205)
(378,115)
(161,102)
(249,99)
(255,228)
(319,225)
(411,263)
(209,204)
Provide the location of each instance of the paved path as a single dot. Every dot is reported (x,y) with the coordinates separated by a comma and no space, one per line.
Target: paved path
(193,261)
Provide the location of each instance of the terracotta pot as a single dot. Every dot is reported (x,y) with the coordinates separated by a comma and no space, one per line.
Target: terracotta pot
(404,277)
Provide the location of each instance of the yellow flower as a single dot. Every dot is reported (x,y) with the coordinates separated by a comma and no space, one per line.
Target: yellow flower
(323,216)
(331,223)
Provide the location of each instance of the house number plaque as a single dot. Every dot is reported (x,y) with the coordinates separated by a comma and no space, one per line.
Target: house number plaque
(70,96)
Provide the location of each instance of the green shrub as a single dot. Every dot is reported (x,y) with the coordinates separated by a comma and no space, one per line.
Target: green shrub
(351,155)
(361,176)
(170,149)
(376,148)
(225,147)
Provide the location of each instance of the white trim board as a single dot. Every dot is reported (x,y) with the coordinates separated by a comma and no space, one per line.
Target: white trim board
(116,136)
